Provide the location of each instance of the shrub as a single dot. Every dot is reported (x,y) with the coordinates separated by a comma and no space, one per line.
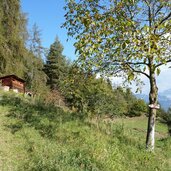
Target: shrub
(138,108)
(54,98)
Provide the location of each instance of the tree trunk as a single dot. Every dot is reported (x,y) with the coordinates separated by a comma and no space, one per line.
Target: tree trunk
(153,98)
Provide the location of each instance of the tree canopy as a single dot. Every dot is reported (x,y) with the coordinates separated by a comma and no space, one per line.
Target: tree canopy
(12,39)
(123,38)
(113,36)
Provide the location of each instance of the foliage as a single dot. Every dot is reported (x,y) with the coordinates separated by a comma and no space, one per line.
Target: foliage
(15,57)
(161,113)
(138,108)
(12,39)
(131,42)
(168,120)
(135,40)
(35,76)
(84,92)
(56,65)
(54,98)
(110,102)
(50,139)
(35,42)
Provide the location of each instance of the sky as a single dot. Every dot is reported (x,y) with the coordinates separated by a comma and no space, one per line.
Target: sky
(163,81)
(49,16)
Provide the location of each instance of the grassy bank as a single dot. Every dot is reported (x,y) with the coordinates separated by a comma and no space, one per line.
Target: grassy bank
(45,138)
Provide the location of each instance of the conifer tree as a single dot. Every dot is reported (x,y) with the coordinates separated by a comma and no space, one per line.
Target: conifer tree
(35,42)
(12,27)
(36,78)
(56,65)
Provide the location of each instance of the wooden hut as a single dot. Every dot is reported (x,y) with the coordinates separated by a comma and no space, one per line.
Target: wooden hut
(13,82)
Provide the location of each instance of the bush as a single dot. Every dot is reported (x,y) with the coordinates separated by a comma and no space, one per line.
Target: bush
(54,98)
(138,108)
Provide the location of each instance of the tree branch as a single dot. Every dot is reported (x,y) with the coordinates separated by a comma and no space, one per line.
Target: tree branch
(163,20)
(136,63)
(162,63)
(138,71)
(158,10)
(119,62)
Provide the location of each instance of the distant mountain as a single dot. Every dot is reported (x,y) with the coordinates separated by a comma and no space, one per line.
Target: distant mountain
(165,102)
(164,98)
(166,93)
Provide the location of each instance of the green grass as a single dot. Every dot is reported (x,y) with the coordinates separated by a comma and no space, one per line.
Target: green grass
(139,125)
(35,137)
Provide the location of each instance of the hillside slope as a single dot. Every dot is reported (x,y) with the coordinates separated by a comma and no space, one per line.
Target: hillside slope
(38,137)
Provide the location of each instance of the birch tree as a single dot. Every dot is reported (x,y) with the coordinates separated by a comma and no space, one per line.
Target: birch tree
(123,38)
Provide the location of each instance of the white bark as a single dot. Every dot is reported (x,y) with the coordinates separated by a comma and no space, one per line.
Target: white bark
(153,137)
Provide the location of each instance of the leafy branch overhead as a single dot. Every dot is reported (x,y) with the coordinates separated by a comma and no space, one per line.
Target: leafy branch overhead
(127,36)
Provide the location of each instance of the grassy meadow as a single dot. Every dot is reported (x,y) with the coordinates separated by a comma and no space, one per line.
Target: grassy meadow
(39,137)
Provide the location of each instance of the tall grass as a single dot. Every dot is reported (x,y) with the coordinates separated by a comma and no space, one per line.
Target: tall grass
(49,139)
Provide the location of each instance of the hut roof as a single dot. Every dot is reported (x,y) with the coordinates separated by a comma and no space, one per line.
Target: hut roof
(13,76)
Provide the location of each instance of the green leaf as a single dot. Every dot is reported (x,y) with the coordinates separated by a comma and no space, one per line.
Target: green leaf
(144,69)
(158,71)
(124,45)
(131,76)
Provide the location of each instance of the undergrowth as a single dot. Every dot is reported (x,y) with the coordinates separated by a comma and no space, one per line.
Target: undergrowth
(45,138)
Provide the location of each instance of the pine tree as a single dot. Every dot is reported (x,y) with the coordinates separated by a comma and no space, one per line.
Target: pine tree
(56,65)
(12,29)
(35,77)
(35,42)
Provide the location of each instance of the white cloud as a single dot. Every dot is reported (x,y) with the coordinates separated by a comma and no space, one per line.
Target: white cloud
(163,81)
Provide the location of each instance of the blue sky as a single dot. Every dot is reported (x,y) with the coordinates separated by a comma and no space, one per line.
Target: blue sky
(49,16)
